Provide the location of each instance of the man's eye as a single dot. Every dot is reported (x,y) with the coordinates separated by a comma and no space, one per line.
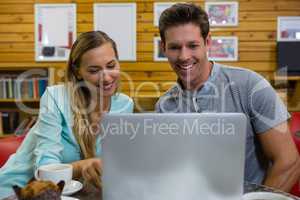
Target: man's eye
(173,47)
(193,46)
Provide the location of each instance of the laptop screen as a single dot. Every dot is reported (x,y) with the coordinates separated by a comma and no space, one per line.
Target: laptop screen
(173,156)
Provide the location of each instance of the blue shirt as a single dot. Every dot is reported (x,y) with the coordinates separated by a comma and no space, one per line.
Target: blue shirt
(51,139)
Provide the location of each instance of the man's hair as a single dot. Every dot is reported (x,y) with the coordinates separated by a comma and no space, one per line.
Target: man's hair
(183,13)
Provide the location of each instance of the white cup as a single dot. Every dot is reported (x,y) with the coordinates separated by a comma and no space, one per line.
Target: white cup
(55,173)
(264,196)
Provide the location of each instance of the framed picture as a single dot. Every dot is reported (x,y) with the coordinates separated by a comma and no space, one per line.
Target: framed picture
(118,20)
(158,52)
(288,28)
(222,13)
(158,8)
(224,49)
(55,31)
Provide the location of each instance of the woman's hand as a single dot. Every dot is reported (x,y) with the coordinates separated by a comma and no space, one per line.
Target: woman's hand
(88,169)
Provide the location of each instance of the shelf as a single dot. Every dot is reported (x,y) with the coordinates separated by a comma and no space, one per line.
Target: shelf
(17,66)
(288,78)
(19,100)
(5,135)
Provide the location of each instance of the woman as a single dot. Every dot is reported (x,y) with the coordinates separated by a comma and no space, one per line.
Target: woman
(67,127)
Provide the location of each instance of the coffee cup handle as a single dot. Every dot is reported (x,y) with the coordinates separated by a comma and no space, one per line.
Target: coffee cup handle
(36,175)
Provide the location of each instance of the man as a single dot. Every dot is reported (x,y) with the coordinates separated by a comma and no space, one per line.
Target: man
(204,86)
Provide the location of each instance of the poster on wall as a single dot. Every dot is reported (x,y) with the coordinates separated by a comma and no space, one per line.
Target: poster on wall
(55,31)
(158,8)
(222,13)
(158,52)
(118,20)
(224,49)
(288,28)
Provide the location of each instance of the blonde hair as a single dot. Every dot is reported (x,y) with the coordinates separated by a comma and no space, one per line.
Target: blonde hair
(80,96)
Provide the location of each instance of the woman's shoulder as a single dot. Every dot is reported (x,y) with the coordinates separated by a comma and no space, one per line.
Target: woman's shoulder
(57,92)
(121,103)
(52,89)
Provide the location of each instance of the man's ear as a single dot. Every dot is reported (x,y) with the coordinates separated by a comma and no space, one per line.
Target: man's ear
(162,46)
(208,40)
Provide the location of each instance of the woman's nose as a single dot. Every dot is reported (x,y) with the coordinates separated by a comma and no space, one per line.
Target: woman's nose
(106,77)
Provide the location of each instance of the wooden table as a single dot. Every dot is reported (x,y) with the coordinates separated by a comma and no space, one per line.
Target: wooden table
(88,194)
(248,187)
(93,194)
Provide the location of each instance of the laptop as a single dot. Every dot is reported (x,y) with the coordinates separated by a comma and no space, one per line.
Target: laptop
(184,156)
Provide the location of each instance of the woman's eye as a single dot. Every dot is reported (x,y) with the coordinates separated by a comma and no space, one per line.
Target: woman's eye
(111,66)
(93,71)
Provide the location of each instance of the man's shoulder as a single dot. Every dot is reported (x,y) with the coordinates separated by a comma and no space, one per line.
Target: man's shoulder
(234,70)
(239,74)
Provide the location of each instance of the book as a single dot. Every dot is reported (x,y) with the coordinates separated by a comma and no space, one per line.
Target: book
(5,122)
(10,121)
(42,86)
(10,92)
(1,88)
(1,124)
(35,88)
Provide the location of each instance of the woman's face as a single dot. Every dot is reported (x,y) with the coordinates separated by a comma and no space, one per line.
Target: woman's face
(100,68)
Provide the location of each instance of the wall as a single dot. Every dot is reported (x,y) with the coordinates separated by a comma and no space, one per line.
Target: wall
(256,33)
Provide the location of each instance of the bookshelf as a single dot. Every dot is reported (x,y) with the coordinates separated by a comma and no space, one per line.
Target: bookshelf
(18,100)
(21,86)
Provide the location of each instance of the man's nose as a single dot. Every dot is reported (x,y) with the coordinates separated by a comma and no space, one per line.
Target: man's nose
(184,54)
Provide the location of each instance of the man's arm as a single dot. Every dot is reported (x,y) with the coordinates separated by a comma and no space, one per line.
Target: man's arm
(278,146)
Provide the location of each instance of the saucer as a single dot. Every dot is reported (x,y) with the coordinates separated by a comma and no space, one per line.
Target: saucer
(72,187)
(68,198)
(265,196)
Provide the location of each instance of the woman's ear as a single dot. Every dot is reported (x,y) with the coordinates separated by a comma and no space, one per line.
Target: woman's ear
(76,72)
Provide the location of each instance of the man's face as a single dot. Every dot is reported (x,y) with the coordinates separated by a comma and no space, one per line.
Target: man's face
(186,51)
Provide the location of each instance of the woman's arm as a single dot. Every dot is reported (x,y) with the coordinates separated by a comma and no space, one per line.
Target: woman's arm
(47,131)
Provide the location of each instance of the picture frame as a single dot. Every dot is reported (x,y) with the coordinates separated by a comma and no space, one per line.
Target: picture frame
(158,8)
(223,48)
(158,54)
(53,37)
(222,13)
(121,27)
(288,28)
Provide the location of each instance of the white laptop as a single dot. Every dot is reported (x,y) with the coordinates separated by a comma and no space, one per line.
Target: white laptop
(186,156)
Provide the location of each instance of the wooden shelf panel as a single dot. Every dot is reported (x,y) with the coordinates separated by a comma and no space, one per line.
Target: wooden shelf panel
(5,135)
(19,100)
(289,78)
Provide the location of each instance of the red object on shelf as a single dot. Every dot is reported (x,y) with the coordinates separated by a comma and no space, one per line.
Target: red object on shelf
(295,130)
(8,146)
